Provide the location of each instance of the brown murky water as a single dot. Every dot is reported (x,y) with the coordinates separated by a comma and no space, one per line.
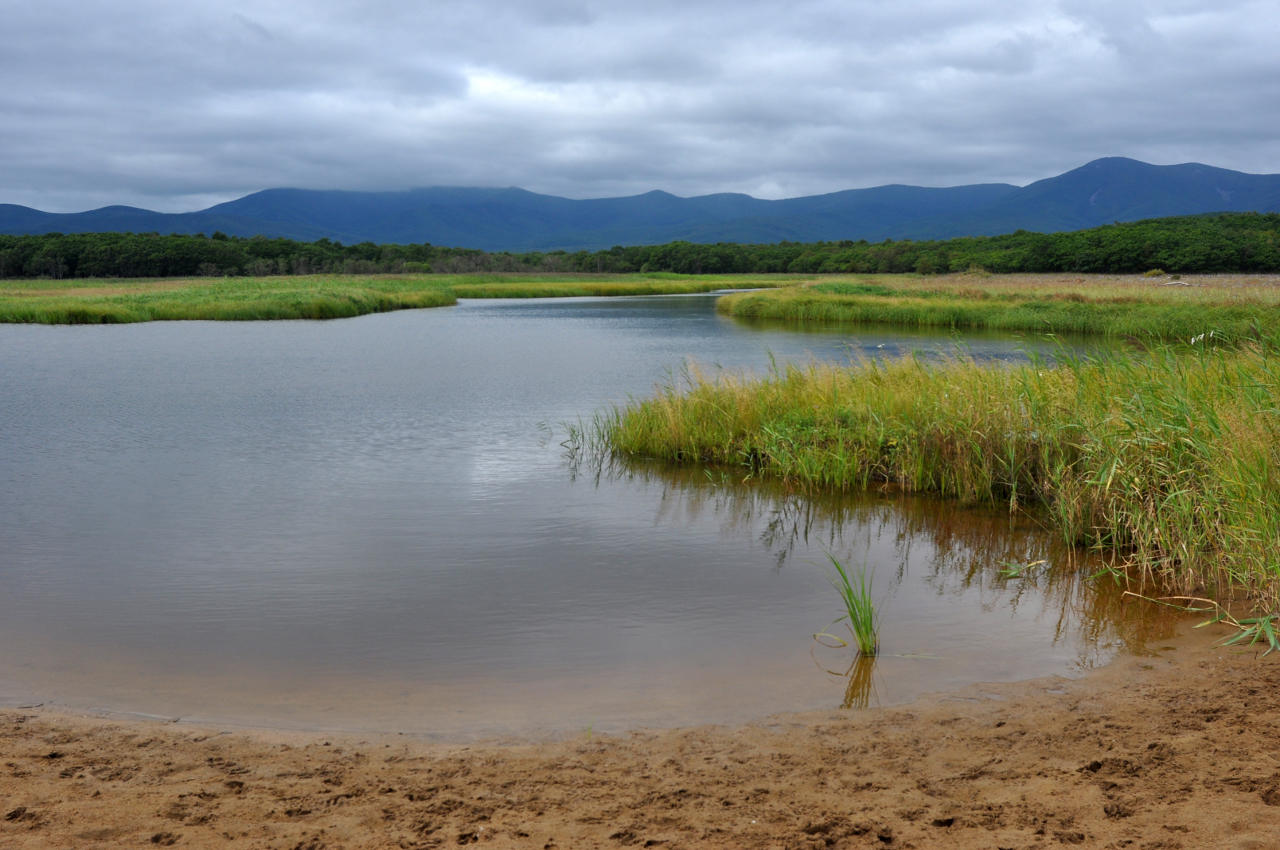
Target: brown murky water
(369,524)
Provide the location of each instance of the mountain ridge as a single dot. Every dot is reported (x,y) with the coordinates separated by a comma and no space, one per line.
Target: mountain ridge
(1106,190)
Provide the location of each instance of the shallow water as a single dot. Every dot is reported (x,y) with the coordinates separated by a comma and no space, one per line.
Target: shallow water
(370,524)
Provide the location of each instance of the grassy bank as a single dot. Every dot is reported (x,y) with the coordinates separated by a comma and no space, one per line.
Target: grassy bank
(1171,461)
(1147,308)
(314,297)
(98,301)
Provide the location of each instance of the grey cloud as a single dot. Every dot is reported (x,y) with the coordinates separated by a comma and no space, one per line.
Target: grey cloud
(1123,27)
(254,27)
(169,105)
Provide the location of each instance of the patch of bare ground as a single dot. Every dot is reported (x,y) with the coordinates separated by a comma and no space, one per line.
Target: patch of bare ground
(1178,750)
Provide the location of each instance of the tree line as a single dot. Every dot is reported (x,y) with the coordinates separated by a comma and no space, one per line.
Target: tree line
(1218,242)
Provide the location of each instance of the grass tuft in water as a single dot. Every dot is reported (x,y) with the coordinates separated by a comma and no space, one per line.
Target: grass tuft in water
(860,610)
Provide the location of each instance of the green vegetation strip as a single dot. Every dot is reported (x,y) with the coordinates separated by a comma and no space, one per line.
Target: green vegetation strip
(1169,460)
(311,297)
(1149,309)
(1215,242)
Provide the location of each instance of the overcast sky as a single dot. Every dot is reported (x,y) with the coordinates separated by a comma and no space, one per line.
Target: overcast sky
(175,106)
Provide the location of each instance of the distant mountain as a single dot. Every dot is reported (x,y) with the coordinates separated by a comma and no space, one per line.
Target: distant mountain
(1101,192)
(1114,189)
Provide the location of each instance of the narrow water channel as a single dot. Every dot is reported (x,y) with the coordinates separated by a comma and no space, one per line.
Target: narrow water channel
(370,524)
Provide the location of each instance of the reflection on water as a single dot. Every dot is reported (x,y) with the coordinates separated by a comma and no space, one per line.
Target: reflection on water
(365,524)
(885,341)
(914,545)
(860,690)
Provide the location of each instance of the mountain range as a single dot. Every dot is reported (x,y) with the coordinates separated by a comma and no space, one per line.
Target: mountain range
(1101,192)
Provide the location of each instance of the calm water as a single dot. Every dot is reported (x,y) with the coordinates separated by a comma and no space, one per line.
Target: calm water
(370,524)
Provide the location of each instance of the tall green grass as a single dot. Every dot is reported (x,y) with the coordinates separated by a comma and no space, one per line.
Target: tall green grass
(1134,307)
(860,615)
(1170,460)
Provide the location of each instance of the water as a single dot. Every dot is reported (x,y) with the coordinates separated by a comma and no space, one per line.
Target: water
(370,524)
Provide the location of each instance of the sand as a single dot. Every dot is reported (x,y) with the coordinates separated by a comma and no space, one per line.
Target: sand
(1180,749)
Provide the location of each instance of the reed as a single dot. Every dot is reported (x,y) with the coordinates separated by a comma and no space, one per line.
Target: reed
(1134,307)
(861,615)
(1168,460)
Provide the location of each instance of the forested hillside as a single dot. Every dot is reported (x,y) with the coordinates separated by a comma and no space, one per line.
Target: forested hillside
(1221,242)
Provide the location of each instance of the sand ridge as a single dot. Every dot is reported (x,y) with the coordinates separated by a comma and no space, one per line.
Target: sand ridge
(1178,750)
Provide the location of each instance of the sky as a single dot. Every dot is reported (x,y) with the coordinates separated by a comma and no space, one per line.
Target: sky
(175,106)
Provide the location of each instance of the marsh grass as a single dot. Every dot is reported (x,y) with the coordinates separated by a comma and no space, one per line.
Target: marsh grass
(1123,307)
(1168,461)
(233,299)
(312,297)
(861,615)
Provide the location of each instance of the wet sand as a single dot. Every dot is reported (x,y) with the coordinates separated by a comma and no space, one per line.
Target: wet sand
(1177,750)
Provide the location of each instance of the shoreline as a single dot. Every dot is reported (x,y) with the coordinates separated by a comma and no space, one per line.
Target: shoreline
(1176,749)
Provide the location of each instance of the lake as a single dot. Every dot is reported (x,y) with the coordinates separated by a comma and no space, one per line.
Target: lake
(370,524)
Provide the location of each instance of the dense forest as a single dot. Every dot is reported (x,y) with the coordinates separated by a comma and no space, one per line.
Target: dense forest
(1219,242)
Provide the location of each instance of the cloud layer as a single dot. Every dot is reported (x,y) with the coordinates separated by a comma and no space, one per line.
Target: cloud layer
(175,106)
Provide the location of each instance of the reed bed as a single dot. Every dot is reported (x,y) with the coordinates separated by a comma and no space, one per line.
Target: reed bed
(314,297)
(1152,309)
(1168,460)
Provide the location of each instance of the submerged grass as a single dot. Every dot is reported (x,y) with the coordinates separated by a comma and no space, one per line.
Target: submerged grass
(1169,459)
(312,297)
(1250,631)
(1149,309)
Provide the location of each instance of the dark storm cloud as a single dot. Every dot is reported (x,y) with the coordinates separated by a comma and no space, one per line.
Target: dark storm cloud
(176,106)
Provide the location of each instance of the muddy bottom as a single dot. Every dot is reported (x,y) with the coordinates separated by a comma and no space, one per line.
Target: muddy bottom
(1174,750)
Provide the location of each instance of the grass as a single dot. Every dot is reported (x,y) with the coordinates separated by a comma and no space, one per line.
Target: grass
(312,297)
(860,610)
(1148,309)
(1169,461)
(1250,631)
(318,297)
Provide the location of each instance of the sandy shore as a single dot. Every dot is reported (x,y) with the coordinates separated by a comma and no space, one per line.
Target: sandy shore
(1181,749)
